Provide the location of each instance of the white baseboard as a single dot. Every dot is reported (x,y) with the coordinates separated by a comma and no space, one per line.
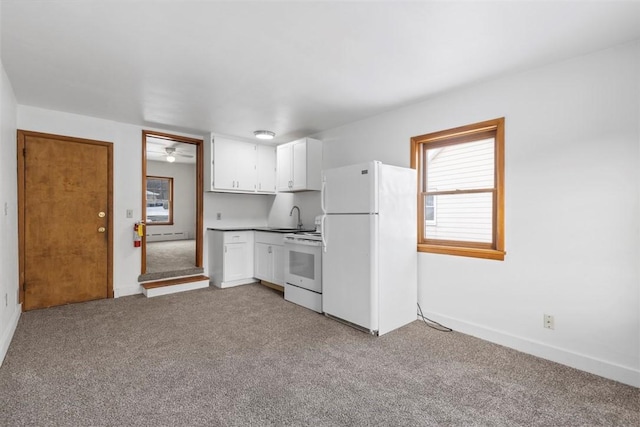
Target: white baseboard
(7,334)
(163,237)
(579,361)
(233,283)
(125,292)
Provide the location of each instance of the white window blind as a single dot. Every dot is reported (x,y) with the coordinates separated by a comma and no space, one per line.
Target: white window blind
(461,180)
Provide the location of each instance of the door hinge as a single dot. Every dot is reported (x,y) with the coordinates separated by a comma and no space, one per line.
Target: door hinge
(24,152)
(24,286)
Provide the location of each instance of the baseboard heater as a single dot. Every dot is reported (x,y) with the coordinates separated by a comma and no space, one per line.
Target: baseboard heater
(172,235)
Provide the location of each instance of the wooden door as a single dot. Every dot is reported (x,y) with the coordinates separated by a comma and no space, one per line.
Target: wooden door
(65,211)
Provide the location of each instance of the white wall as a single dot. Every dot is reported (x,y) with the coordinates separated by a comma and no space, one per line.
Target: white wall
(9,306)
(572,210)
(184,196)
(307,201)
(242,210)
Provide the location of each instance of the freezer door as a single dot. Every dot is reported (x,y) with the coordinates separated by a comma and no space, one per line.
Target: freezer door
(350,189)
(349,287)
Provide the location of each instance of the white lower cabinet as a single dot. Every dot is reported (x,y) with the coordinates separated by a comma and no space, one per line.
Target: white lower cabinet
(269,257)
(231,258)
(278,264)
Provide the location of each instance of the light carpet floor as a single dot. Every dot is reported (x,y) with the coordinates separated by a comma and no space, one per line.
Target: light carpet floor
(171,255)
(246,357)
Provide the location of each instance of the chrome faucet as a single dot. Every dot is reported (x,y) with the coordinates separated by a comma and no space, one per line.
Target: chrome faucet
(299,221)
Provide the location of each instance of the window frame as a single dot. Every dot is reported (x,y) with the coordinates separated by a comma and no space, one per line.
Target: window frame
(468,133)
(170,180)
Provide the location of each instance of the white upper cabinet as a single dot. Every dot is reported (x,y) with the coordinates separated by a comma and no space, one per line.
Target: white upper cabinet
(237,166)
(284,156)
(234,165)
(266,166)
(299,165)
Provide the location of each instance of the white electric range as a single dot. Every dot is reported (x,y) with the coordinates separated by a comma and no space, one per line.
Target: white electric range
(303,269)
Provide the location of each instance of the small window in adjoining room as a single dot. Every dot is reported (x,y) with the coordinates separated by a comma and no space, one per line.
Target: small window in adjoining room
(461,190)
(159,200)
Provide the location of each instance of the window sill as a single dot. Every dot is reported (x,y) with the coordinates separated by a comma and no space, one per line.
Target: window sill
(461,251)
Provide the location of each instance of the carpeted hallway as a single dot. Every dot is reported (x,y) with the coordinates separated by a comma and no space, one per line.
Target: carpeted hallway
(245,356)
(171,255)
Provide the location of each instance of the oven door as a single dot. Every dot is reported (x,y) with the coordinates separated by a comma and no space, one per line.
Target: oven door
(303,264)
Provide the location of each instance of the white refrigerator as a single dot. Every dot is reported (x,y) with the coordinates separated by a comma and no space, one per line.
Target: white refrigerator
(369,230)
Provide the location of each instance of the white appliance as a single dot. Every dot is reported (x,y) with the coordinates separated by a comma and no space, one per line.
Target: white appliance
(303,269)
(369,265)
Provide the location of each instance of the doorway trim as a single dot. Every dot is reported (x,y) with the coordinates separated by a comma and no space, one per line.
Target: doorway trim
(199,191)
(21,140)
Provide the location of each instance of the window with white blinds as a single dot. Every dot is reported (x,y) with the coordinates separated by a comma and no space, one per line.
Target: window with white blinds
(461,190)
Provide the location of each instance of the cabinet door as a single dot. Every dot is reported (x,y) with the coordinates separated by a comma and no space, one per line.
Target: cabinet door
(224,169)
(266,169)
(299,165)
(263,262)
(278,265)
(243,161)
(235,261)
(234,165)
(283,155)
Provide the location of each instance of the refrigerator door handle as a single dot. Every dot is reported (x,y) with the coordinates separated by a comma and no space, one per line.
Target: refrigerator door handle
(323,190)
(324,232)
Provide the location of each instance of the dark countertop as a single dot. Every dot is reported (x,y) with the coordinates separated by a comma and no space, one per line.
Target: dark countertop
(267,229)
(231,228)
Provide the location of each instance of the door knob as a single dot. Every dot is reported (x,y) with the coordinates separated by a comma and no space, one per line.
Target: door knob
(101,230)
(101,214)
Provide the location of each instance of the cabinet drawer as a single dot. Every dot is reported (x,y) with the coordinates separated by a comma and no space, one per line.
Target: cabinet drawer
(237,236)
(269,238)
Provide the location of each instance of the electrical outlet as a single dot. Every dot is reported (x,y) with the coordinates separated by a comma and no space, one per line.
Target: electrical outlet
(219,215)
(129,213)
(548,321)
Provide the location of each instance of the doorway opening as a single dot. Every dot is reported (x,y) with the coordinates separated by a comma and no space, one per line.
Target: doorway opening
(171,206)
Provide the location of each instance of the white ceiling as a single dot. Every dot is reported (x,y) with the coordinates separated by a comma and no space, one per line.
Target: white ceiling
(295,68)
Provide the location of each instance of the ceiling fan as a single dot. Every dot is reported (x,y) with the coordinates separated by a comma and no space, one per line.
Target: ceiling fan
(171,153)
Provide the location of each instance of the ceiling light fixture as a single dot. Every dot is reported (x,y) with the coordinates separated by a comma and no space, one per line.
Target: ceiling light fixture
(170,157)
(264,134)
